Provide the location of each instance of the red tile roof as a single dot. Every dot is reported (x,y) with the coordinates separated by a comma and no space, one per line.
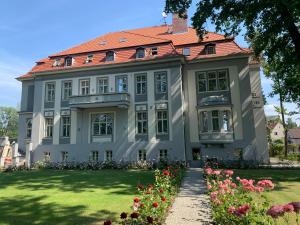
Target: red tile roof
(124,44)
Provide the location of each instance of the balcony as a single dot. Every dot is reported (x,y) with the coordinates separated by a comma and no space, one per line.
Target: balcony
(216,137)
(120,100)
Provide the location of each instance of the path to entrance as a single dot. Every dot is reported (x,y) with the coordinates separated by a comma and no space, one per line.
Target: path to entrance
(191,207)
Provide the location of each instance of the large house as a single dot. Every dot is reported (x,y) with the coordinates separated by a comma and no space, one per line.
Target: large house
(145,94)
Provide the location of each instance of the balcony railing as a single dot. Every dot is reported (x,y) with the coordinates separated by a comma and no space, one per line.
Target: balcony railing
(216,137)
(120,100)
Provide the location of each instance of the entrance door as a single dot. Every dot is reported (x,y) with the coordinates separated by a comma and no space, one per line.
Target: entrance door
(196,154)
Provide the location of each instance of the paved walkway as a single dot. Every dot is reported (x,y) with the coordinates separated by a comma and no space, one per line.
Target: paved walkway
(191,207)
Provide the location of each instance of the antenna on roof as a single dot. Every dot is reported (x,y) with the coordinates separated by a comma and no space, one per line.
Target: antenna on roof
(164,15)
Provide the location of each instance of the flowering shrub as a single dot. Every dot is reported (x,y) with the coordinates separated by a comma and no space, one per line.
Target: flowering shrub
(154,200)
(277,211)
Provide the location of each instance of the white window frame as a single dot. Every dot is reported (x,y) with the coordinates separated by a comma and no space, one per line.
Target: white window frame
(164,121)
(68,61)
(161,82)
(109,121)
(142,155)
(84,86)
(140,53)
(49,127)
(141,84)
(102,85)
(206,80)
(64,156)
(154,51)
(143,121)
(94,156)
(163,154)
(65,126)
(47,156)
(66,90)
(215,118)
(108,155)
(203,80)
(122,84)
(89,58)
(210,49)
(110,56)
(28,128)
(50,92)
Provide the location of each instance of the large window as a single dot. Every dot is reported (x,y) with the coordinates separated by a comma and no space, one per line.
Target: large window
(212,81)
(216,120)
(94,156)
(121,84)
(48,127)
(102,124)
(28,128)
(84,87)
(141,122)
(67,90)
(161,83)
(142,155)
(50,92)
(141,84)
(162,121)
(108,155)
(102,85)
(65,126)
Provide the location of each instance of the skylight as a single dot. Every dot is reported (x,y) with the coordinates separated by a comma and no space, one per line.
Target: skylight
(103,43)
(122,39)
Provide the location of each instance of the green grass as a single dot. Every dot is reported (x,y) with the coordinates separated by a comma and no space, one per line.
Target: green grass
(67,197)
(287,184)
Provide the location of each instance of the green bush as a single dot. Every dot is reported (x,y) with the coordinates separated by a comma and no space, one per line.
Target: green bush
(276,149)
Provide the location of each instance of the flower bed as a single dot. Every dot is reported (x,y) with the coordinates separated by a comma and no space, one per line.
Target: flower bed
(154,200)
(237,201)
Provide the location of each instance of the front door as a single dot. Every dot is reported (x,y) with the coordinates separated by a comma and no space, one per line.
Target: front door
(196,154)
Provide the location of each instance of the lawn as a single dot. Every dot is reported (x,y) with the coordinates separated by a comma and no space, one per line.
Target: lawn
(287,183)
(67,197)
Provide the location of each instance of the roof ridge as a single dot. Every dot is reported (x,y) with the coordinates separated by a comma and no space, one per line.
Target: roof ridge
(147,36)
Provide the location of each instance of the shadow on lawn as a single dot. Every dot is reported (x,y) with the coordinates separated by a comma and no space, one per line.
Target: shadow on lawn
(124,181)
(29,210)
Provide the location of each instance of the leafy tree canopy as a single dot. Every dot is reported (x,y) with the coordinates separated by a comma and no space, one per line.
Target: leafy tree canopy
(8,122)
(272,30)
(291,124)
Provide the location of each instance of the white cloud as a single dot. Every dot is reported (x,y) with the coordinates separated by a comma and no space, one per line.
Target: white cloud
(270,111)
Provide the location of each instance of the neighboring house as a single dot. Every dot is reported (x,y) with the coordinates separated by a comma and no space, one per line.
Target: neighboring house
(276,130)
(150,93)
(294,136)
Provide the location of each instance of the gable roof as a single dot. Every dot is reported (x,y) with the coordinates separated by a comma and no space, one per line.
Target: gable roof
(294,133)
(124,44)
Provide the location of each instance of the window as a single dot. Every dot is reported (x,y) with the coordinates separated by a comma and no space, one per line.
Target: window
(56,62)
(204,120)
(108,155)
(89,58)
(46,156)
(162,121)
(102,85)
(275,133)
(202,82)
(94,156)
(102,124)
(154,51)
(212,81)
(110,56)
(28,128)
(122,84)
(141,122)
(226,121)
(67,90)
(142,155)
(161,82)
(65,126)
(140,53)
(215,120)
(68,61)
(122,40)
(222,80)
(64,156)
(210,49)
(48,127)
(141,84)
(50,92)
(163,154)
(84,87)
(186,51)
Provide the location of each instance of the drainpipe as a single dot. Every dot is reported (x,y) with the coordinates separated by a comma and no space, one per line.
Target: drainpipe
(183,112)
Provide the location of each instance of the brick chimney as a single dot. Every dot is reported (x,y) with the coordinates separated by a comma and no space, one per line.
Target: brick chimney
(179,24)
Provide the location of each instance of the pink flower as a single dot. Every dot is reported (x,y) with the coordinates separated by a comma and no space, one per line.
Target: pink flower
(296,206)
(259,189)
(228,173)
(267,184)
(213,195)
(231,209)
(275,211)
(288,208)
(217,172)
(208,171)
(242,210)
(209,187)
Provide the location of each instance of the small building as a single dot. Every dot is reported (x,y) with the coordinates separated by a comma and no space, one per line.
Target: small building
(294,136)
(276,130)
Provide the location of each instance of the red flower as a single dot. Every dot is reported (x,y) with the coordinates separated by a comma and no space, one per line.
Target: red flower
(288,208)
(136,200)
(155,204)
(150,186)
(134,215)
(142,205)
(140,187)
(163,198)
(275,211)
(150,219)
(123,215)
(166,173)
(161,190)
(296,206)
(242,210)
(107,222)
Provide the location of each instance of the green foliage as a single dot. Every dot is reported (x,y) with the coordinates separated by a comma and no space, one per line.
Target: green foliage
(291,124)
(8,122)
(276,149)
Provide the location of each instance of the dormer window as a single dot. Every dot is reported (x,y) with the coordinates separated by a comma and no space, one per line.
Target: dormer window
(110,56)
(89,58)
(56,62)
(140,53)
(68,61)
(210,49)
(154,51)
(186,51)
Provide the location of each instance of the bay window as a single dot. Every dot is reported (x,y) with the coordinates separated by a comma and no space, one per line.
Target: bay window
(212,81)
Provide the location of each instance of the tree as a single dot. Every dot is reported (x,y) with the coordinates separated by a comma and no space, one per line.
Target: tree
(272,30)
(8,122)
(291,124)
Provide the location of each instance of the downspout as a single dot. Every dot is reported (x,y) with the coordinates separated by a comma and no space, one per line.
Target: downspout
(183,112)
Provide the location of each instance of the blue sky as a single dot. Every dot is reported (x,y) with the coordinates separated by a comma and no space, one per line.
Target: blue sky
(31,30)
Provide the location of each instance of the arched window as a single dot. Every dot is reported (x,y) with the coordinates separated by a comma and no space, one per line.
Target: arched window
(28,128)
(110,56)
(102,124)
(140,53)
